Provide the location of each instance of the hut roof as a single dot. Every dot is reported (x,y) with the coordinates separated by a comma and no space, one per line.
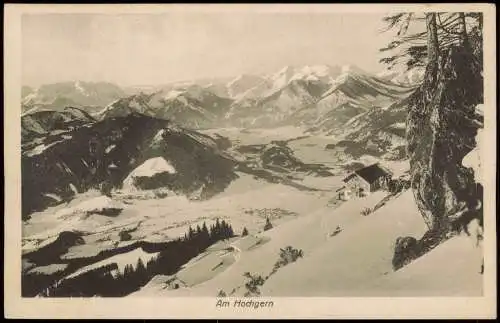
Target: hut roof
(370,173)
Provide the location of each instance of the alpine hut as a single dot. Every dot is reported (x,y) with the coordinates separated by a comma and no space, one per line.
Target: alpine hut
(366,180)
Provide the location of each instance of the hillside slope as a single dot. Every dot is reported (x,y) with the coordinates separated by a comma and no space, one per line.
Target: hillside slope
(103,153)
(355,262)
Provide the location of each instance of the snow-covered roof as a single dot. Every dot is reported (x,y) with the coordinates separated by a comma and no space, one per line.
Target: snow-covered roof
(370,173)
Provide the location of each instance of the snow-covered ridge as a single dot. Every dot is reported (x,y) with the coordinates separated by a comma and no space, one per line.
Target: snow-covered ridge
(78,86)
(255,100)
(408,78)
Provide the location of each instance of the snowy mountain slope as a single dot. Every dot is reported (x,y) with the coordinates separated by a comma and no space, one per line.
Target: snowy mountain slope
(342,266)
(408,78)
(241,84)
(272,83)
(192,106)
(355,131)
(249,86)
(355,262)
(352,93)
(277,107)
(435,274)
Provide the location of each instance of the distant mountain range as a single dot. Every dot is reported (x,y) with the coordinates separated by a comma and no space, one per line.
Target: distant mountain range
(319,97)
(89,95)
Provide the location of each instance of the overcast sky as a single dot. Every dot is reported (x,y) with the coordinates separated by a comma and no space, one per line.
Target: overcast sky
(162,48)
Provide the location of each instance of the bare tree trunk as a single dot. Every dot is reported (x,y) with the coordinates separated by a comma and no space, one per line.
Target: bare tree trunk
(463,29)
(432,38)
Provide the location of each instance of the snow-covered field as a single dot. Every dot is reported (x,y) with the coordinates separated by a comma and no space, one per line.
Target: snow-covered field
(168,218)
(356,262)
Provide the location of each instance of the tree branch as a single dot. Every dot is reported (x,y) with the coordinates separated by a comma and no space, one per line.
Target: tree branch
(451,16)
(441,25)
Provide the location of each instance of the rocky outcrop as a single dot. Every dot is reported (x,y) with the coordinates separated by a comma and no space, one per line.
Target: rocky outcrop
(405,250)
(473,160)
(441,130)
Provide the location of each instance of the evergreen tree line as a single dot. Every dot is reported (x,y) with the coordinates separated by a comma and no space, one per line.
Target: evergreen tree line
(102,283)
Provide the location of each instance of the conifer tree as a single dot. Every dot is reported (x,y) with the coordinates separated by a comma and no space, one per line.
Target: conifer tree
(127,273)
(217,230)
(204,229)
(224,230)
(140,265)
(212,232)
(268,225)
(190,233)
(141,272)
(205,235)
(245,232)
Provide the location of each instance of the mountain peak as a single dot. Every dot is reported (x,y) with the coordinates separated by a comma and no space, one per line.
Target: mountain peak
(351,69)
(286,69)
(243,78)
(317,69)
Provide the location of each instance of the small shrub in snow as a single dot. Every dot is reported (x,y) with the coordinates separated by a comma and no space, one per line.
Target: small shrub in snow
(287,255)
(252,285)
(245,232)
(337,231)
(159,194)
(366,211)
